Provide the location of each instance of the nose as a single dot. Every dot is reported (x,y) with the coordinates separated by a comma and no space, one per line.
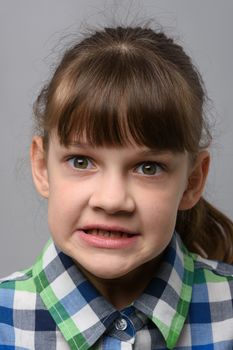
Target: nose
(112,195)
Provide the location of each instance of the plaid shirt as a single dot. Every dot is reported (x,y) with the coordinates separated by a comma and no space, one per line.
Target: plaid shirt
(187,305)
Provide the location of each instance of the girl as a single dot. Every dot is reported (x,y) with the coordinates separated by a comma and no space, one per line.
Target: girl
(138,259)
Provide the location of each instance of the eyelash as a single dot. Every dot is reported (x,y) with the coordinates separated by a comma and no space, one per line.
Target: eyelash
(162,167)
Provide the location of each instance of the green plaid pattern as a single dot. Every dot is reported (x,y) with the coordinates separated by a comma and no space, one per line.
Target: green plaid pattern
(187,305)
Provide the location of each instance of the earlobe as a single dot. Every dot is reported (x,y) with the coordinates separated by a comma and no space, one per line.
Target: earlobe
(196,181)
(39,166)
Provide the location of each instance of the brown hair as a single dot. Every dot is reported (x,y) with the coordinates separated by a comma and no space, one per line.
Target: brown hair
(122,84)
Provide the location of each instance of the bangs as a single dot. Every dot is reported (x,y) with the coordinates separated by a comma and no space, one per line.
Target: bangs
(116,99)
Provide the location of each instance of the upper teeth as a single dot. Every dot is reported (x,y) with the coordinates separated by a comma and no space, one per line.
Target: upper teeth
(106,233)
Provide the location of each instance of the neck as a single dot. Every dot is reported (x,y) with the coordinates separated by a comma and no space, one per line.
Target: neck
(122,291)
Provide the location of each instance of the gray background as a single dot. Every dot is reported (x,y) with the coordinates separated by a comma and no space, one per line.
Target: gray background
(29,43)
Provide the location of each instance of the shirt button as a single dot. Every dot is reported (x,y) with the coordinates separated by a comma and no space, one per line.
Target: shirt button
(121,324)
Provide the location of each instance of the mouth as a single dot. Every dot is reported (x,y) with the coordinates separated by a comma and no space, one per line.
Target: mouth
(107,237)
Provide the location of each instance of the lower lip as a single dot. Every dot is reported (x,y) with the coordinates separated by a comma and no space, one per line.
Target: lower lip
(99,241)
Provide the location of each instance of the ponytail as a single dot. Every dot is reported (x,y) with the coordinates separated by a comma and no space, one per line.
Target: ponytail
(206,231)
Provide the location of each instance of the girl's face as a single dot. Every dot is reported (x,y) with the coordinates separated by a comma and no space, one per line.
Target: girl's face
(114,209)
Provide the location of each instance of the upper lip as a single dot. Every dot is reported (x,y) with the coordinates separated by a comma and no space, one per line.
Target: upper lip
(104,227)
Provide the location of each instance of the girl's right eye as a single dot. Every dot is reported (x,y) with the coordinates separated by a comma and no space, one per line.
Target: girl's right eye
(80,162)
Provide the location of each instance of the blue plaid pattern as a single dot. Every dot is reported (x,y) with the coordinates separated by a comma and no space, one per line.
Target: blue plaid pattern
(187,305)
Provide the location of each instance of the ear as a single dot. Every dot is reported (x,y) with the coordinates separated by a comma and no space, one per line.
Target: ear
(39,166)
(196,181)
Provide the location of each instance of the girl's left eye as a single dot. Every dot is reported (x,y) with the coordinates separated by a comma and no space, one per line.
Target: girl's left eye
(80,162)
(149,168)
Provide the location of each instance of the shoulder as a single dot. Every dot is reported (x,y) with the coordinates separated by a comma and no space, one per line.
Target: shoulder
(210,314)
(221,270)
(19,275)
(18,300)
(16,277)
(16,288)
(213,281)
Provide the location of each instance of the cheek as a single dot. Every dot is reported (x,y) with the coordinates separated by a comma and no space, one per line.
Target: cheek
(65,194)
(160,209)
(65,205)
(165,200)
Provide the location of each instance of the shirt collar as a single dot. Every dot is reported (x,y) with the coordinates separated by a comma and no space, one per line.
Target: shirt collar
(80,312)
(83,315)
(166,299)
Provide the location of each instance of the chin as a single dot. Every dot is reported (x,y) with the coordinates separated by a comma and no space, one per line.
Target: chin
(108,273)
(105,271)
